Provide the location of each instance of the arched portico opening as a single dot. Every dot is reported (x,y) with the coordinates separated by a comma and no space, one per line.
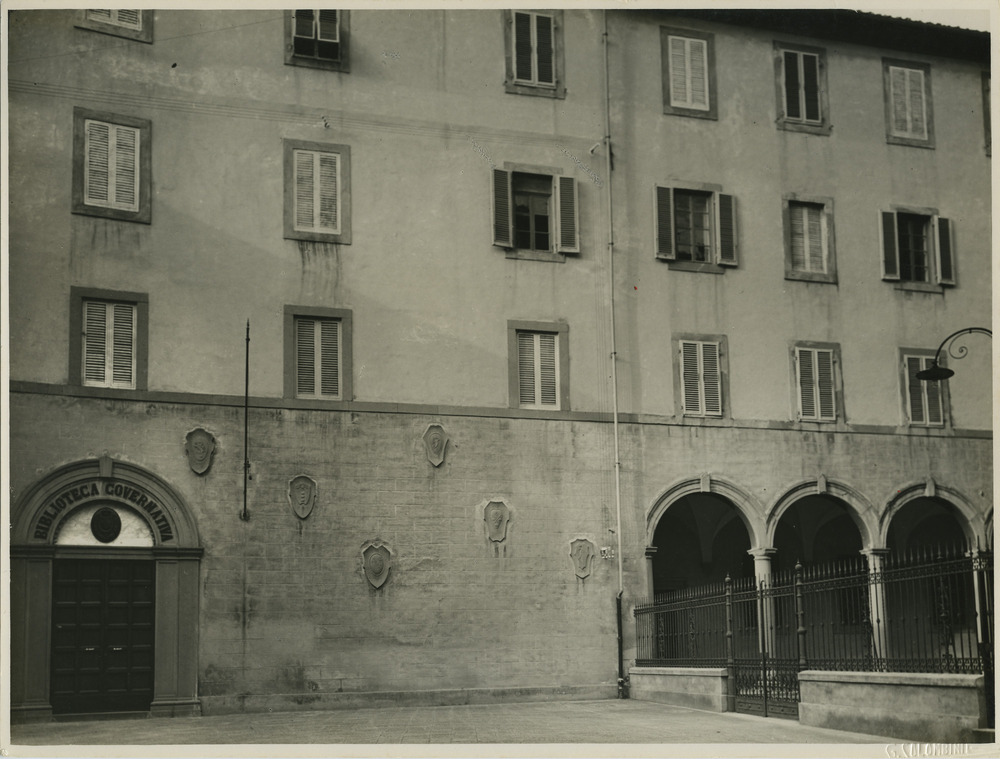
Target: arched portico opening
(701,538)
(105,562)
(925,525)
(816,529)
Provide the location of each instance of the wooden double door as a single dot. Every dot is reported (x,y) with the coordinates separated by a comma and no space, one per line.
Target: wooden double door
(102,635)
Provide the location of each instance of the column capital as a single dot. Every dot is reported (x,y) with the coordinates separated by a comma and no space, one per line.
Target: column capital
(874,552)
(760,554)
(650,551)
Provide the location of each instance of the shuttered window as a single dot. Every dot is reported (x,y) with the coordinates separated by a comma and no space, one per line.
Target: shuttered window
(127,19)
(688,66)
(701,378)
(917,247)
(801,87)
(808,236)
(924,399)
(111,175)
(534,49)
(535,212)
(317,192)
(816,384)
(318,358)
(109,340)
(316,34)
(909,111)
(538,370)
(696,226)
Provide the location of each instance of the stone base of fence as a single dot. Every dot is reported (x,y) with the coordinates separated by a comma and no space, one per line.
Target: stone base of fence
(932,708)
(695,687)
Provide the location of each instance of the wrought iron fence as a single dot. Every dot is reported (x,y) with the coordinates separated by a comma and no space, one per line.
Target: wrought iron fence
(923,612)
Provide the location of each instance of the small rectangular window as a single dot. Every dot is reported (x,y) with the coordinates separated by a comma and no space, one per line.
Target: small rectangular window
(108,338)
(801,86)
(908,104)
(816,383)
(924,400)
(317,192)
(917,248)
(317,38)
(318,345)
(695,227)
(535,214)
(809,239)
(534,57)
(688,73)
(701,378)
(539,365)
(111,166)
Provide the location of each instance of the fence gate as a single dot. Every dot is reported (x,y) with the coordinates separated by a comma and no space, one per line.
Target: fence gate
(765,649)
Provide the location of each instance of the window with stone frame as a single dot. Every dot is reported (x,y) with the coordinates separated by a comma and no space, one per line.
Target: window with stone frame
(318,38)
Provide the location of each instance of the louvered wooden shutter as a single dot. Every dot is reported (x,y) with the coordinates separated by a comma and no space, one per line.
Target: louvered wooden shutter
(567,226)
(328,29)
(890,251)
(817,398)
(664,223)
(317,358)
(701,378)
(545,49)
(909,116)
(547,374)
(690,379)
(304,21)
(317,191)
(945,254)
(806,228)
(711,379)
(726,224)
(688,73)
(522,48)
(100,15)
(111,163)
(129,18)
(526,368)
(935,401)
(503,220)
(679,89)
(109,344)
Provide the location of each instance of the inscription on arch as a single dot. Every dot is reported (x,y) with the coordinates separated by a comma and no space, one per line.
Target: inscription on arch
(79,493)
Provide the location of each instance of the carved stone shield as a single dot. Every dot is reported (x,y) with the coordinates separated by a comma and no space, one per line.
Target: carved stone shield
(497,515)
(582,552)
(377,560)
(302,495)
(199,447)
(435,443)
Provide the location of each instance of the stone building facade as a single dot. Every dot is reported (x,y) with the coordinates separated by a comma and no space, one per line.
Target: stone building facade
(484,255)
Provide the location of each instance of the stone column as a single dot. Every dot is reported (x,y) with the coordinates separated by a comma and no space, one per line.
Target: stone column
(650,553)
(876,601)
(762,574)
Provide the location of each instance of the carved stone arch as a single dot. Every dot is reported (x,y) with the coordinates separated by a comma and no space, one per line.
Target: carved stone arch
(860,509)
(175,548)
(40,510)
(748,508)
(973,523)
(988,527)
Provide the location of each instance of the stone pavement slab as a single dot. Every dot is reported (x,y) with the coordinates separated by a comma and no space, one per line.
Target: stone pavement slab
(567,722)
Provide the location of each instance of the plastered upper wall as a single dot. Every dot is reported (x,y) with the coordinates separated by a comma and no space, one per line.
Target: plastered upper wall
(429,293)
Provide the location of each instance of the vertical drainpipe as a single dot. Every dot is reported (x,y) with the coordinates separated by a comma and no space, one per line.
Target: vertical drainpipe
(614,352)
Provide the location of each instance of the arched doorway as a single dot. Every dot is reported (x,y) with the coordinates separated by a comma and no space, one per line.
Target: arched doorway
(104,587)
(925,525)
(816,529)
(700,539)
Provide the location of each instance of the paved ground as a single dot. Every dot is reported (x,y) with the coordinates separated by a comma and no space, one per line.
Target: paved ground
(576,722)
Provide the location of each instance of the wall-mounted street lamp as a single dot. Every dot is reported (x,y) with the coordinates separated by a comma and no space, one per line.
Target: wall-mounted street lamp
(937,372)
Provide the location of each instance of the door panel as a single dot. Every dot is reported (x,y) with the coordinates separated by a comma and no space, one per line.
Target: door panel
(102,636)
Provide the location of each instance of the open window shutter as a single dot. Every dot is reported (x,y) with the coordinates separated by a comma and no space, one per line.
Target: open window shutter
(712,379)
(807,387)
(945,254)
(526,368)
(97,179)
(305,357)
(567,228)
(825,386)
(95,342)
(691,402)
(522,47)
(664,223)
(547,379)
(503,221)
(545,49)
(329,357)
(890,252)
(123,345)
(726,225)
(914,393)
